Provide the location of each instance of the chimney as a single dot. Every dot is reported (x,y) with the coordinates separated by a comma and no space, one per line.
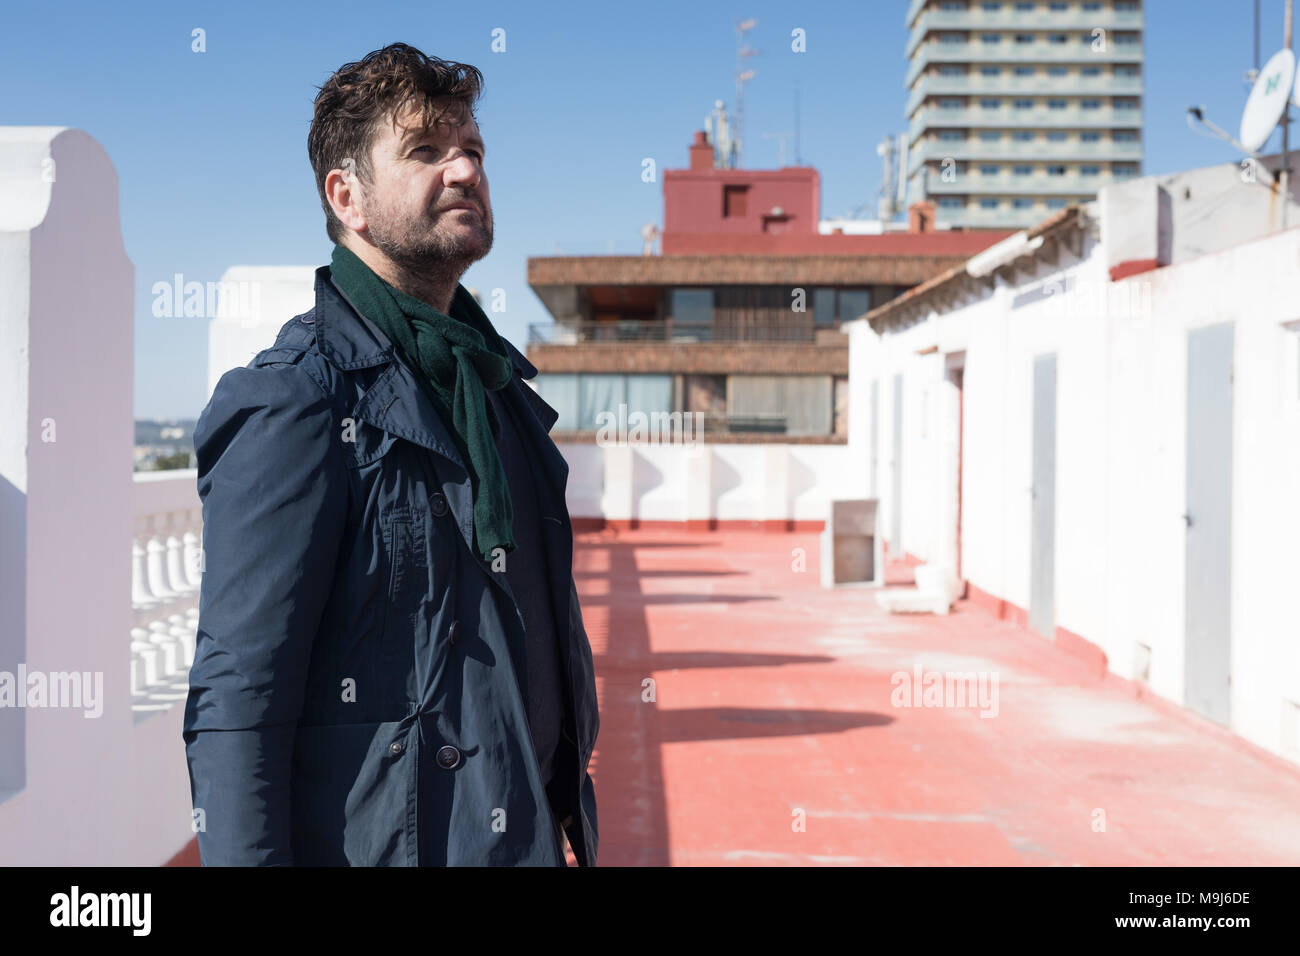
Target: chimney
(701,151)
(920,216)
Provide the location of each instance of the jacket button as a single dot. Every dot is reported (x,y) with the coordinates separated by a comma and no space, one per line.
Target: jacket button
(451,631)
(448,757)
(395,747)
(439,503)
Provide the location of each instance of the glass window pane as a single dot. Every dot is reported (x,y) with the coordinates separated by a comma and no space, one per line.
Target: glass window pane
(599,393)
(823,306)
(854,303)
(560,391)
(691,305)
(649,393)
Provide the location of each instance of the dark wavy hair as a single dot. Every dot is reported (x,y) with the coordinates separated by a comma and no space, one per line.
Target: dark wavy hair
(352,104)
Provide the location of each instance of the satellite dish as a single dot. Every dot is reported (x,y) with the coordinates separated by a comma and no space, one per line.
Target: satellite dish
(1267,100)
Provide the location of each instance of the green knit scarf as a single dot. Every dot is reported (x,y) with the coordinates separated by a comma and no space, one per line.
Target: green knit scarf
(453,357)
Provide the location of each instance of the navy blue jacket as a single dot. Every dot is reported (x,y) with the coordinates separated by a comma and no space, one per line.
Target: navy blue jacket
(356,696)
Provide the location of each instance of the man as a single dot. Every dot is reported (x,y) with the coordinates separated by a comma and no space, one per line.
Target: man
(391,665)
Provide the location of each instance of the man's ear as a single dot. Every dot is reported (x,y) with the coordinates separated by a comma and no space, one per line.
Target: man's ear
(344,192)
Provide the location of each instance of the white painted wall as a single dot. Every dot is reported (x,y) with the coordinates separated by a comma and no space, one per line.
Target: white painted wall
(681,482)
(276,295)
(66,355)
(1121,445)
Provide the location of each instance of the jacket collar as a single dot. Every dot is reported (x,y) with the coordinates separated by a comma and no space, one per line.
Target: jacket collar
(351,344)
(395,402)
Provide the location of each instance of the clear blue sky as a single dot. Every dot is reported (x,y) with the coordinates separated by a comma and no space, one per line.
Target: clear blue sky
(210,149)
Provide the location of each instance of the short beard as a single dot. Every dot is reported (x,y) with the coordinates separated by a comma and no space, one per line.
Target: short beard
(427,256)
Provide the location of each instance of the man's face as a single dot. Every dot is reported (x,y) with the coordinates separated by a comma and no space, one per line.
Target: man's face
(418,177)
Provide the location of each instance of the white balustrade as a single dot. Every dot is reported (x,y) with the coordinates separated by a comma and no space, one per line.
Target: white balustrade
(166,572)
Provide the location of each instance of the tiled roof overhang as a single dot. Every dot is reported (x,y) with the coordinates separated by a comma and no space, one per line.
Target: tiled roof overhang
(955,284)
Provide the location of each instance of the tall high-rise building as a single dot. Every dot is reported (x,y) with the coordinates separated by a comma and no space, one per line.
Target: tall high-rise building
(1018,108)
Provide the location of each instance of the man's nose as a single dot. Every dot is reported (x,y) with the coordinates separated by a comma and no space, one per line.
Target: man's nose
(464,171)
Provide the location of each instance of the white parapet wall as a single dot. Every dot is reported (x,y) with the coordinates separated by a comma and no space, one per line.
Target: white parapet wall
(706,482)
(80,783)
(253,303)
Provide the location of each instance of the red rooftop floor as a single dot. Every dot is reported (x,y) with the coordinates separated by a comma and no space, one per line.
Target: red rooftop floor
(768,736)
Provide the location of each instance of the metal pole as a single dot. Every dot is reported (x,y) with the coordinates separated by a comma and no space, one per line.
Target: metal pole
(1286,126)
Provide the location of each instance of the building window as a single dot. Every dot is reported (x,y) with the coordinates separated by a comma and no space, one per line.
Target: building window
(854,303)
(1125,104)
(1058,7)
(1126,71)
(1090,137)
(952,5)
(947,70)
(991,7)
(1057,71)
(1126,39)
(990,104)
(830,304)
(950,103)
(990,136)
(951,38)
(990,38)
(1119,136)
(734,201)
(1056,136)
(794,404)
(952,136)
(691,307)
(1055,204)
(1090,170)
(1023,203)
(1092,6)
(1058,39)
(1090,104)
(990,71)
(1122,172)
(1091,71)
(1023,136)
(989,204)
(989,170)
(1125,6)
(1024,6)
(1024,104)
(1056,104)
(824,306)
(579,399)
(1024,38)
(1024,71)
(1023,170)
(951,202)
(1056,170)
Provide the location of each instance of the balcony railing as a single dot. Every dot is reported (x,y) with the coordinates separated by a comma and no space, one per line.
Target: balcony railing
(1007,117)
(977,19)
(976,84)
(166,569)
(979,53)
(974,184)
(1008,150)
(671,332)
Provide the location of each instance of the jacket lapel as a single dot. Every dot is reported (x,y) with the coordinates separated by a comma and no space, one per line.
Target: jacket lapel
(396,404)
